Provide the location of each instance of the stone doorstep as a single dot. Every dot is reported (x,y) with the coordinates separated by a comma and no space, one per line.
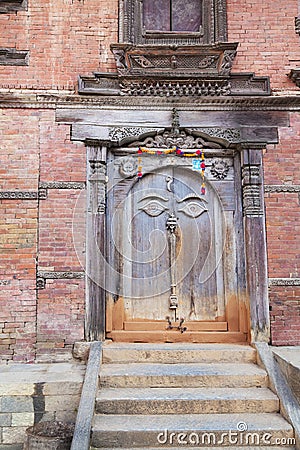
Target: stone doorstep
(177,353)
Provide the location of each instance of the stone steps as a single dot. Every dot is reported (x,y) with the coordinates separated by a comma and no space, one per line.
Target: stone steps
(209,396)
(177,353)
(185,400)
(199,429)
(285,447)
(182,375)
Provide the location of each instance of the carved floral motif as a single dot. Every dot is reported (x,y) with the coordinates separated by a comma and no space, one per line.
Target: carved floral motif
(220,169)
(128,167)
(182,139)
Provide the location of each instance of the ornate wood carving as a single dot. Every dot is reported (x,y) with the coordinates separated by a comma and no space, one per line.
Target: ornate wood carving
(292,188)
(128,167)
(284,281)
(18,195)
(216,59)
(175,88)
(231,135)
(188,86)
(42,277)
(97,180)
(219,169)
(182,138)
(62,185)
(255,241)
(119,134)
(96,245)
(13,57)
(297,25)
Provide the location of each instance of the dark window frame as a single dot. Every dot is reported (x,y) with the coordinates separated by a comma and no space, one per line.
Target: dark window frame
(131,28)
(11,6)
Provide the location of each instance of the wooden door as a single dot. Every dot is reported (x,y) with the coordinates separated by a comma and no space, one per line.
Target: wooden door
(174,257)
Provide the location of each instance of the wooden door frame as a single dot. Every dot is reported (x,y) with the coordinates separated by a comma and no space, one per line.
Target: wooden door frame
(255,290)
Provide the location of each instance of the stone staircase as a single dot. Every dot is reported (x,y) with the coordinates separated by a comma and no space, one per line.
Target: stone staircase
(186,396)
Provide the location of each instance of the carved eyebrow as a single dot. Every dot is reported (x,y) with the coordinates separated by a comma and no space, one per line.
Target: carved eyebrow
(192,197)
(154,196)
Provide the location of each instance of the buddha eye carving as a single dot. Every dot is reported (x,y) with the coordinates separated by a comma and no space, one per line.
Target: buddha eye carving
(153,208)
(193,209)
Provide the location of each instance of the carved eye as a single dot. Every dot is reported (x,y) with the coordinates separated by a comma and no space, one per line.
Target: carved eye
(154,208)
(193,209)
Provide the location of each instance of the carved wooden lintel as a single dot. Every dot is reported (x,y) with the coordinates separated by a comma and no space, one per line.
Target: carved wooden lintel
(13,57)
(189,85)
(182,138)
(215,59)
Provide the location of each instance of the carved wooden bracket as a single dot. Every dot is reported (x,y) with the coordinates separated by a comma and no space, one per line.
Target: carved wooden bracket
(294,75)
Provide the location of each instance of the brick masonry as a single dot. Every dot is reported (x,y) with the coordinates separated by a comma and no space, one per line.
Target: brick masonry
(66,38)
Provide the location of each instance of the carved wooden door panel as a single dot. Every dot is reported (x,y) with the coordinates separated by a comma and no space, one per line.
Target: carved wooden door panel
(174,258)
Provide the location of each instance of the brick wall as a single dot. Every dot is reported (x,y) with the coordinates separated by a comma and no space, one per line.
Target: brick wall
(268,44)
(38,234)
(70,37)
(65,38)
(281,167)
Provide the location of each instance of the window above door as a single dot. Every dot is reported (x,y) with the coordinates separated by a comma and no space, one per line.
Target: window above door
(172,22)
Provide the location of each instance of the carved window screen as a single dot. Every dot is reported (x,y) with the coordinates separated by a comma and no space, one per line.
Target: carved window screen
(172,15)
(182,22)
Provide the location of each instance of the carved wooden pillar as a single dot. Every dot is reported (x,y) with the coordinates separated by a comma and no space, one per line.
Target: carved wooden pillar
(255,241)
(95,242)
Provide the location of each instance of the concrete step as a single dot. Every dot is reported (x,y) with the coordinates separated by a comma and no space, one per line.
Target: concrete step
(219,430)
(185,401)
(177,353)
(182,375)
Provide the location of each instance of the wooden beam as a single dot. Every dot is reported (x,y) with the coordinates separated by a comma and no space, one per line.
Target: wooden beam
(176,336)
